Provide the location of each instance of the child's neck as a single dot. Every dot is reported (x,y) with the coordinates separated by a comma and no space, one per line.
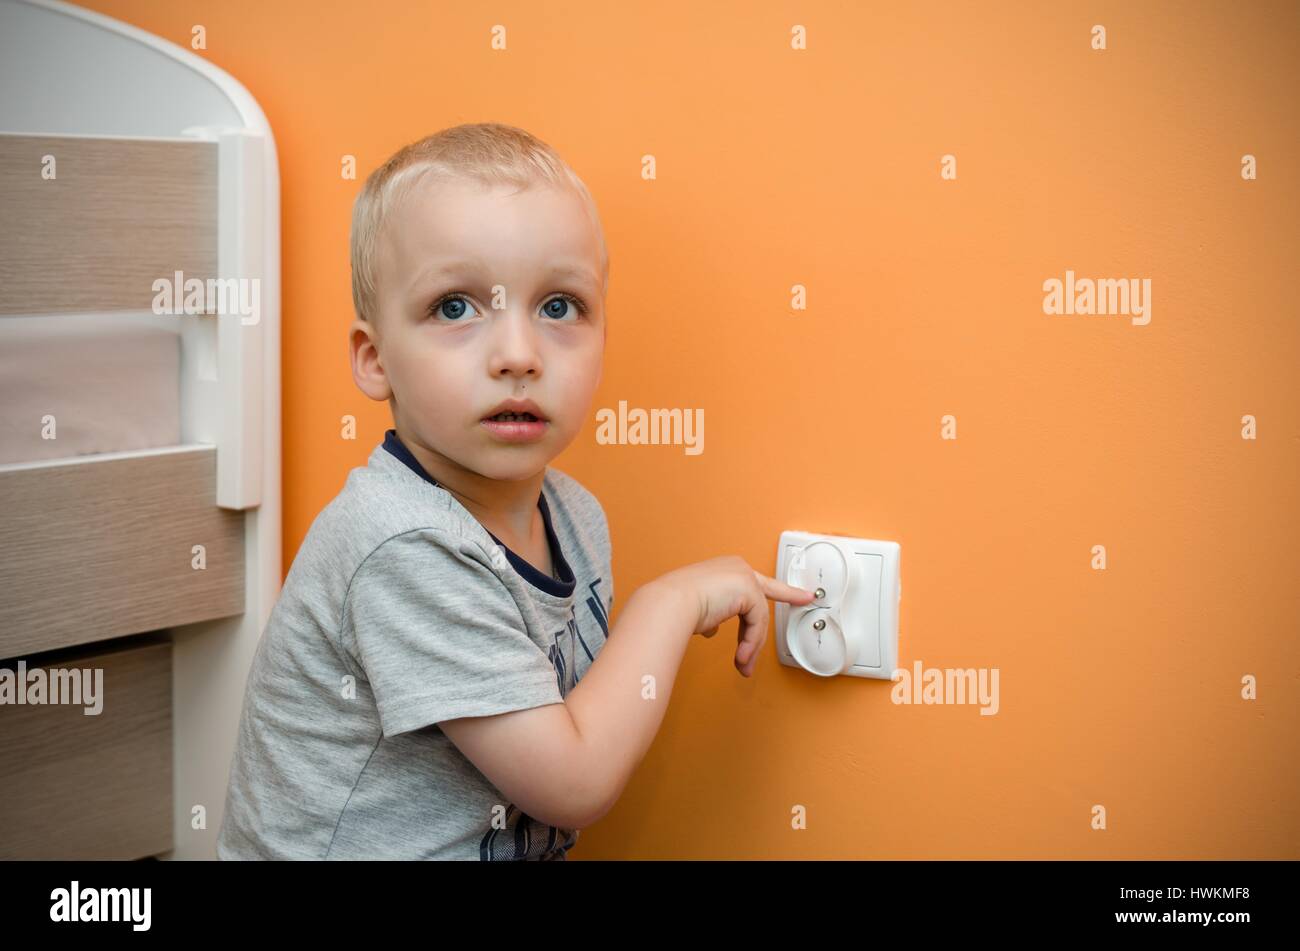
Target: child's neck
(507,509)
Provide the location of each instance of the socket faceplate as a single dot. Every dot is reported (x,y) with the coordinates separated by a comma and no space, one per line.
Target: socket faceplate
(866,609)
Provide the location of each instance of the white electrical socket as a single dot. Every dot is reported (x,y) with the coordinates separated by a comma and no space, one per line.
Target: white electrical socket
(851,628)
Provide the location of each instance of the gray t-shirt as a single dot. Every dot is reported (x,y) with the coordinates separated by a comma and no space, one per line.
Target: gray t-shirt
(400,611)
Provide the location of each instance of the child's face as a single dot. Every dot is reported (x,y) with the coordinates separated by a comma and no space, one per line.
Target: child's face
(493,325)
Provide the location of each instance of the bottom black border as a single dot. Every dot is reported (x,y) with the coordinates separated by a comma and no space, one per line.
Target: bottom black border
(918,899)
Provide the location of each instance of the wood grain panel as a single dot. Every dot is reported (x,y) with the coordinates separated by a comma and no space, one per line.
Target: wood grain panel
(118,215)
(103,547)
(91,787)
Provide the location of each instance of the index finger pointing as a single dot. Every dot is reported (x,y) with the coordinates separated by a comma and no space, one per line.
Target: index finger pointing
(780,591)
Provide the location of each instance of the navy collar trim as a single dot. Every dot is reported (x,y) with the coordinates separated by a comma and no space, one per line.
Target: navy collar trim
(560,588)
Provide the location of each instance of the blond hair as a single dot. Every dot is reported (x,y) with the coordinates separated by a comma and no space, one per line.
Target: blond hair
(487,152)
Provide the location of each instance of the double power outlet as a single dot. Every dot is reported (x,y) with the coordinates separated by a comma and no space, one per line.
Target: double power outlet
(851,627)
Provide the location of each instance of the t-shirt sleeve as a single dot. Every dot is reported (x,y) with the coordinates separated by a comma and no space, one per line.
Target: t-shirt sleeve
(604,547)
(607,546)
(440,636)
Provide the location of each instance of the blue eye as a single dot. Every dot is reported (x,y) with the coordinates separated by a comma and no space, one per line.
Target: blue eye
(452,307)
(565,302)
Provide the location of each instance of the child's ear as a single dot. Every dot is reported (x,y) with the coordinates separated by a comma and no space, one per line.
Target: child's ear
(367,366)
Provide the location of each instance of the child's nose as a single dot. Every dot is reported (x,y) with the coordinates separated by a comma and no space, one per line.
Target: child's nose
(515,342)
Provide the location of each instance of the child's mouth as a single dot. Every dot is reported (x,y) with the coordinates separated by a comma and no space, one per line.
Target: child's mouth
(515,427)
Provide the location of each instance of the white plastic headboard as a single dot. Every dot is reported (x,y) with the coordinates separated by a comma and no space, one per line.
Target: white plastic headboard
(67,71)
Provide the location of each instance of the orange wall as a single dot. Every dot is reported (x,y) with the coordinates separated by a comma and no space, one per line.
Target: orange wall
(1118,687)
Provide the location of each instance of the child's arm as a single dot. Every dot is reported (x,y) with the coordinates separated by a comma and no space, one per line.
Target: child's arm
(566,764)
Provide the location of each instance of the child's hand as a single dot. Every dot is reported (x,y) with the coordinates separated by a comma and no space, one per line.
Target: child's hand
(727,587)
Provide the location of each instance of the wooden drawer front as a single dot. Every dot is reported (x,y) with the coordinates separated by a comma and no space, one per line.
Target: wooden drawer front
(118,215)
(97,549)
(91,787)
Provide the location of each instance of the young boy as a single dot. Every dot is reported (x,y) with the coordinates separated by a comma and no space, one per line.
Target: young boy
(413,695)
